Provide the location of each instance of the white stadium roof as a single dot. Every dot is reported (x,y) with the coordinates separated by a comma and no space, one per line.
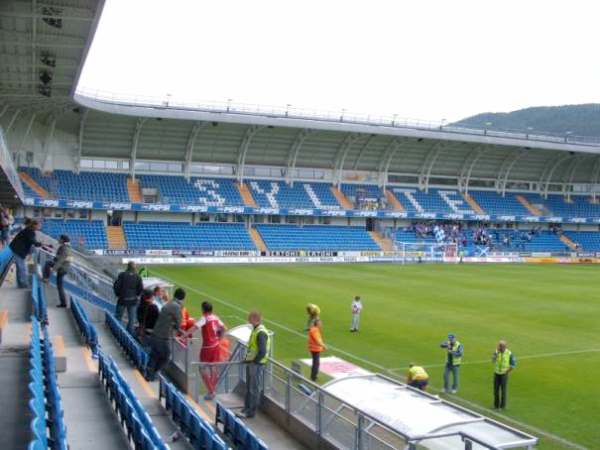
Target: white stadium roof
(43,47)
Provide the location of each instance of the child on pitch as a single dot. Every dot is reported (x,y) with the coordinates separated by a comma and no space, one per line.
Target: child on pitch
(315,346)
(356,309)
(314,315)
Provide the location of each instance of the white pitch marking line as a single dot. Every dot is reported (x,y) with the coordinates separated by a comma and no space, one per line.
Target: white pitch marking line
(519,358)
(358,358)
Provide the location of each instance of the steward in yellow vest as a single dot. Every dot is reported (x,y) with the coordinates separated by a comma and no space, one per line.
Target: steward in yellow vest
(417,377)
(504,362)
(454,353)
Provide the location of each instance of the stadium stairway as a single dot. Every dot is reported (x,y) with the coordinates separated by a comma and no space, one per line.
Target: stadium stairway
(568,242)
(384,243)
(531,208)
(473,204)
(134,191)
(341,198)
(88,413)
(392,200)
(246,195)
(14,365)
(258,240)
(26,178)
(116,237)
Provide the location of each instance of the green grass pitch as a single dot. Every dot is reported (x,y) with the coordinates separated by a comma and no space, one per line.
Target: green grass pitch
(550,316)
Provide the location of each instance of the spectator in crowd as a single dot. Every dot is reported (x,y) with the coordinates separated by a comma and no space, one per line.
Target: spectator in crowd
(62,265)
(168,322)
(356,310)
(259,345)
(5,223)
(314,313)
(504,362)
(454,352)
(21,247)
(159,297)
(143,272)
(212,331)
(128,288)
(315,346)
(147,315)
(187,321)
(417,377)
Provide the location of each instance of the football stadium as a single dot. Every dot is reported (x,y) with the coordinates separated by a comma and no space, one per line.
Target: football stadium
(185,275)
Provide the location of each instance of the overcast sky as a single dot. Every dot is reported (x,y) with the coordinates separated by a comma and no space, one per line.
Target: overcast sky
(424,59)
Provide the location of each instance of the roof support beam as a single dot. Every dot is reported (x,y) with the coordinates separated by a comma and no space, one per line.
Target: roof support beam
(467,168)
(553,168)
(80,138)
(293,154)
(27,131)
(385,161)
(134,145)
(243,150)
(4,109)
(510,163)
(189,149)
(362,151)
(42,15)
(12,121)
(568,186)
(428,164)
(47,163)
(33,50)
(595,177)
(340,157)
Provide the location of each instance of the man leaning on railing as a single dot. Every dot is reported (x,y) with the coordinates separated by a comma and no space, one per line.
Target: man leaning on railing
(256,358)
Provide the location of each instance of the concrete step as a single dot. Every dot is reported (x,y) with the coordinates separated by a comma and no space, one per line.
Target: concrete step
(531,208)
(26,178)
(116,237)
(258,240)
(392,200)
(134,191)
(246,195)
(341,198)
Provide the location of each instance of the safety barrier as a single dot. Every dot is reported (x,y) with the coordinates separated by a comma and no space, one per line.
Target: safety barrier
(140,430)
(236,431)
(6,259)
(134,351)
(196,430)
(86,328)
(47,425)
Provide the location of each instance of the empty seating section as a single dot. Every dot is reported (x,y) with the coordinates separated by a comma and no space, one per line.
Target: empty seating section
(557,205)
(316,238)
(277,194)
(138,424)
(183,236)
(88,186)
(236,431)
(134,351)
(90,234)
(47,424)
(28,191)
(495,204)
(197,191)
(323,197)
(368,191)
(523,240)
(197,431)
(588,240)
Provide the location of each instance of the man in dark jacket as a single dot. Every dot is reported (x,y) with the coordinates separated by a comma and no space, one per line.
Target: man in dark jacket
(169,321)
(62,265)
(128,288)
(21,246)
(147,315)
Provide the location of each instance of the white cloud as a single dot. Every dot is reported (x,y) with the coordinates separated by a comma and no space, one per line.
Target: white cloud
(425,59)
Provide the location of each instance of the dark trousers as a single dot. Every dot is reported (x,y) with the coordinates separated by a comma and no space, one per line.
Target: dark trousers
(62,297)
(131,315)
(500,386)
(254,386)
(316,362)
(160,352)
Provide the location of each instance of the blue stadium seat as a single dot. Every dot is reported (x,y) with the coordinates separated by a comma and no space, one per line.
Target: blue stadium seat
(134,351)
(316,238)
(196,191)
(92,234)
(184,236)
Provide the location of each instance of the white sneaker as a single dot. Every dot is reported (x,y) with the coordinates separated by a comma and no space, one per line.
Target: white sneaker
(453,391)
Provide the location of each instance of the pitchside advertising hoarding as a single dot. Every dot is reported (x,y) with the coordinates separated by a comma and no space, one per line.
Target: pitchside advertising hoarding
(245,210)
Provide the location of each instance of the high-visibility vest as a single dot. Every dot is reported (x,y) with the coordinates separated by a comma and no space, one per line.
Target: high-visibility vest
(502,362)
(253,345)
(417,373)
(456,360)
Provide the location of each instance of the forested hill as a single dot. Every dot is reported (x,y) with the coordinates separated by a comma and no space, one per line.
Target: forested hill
(577,120)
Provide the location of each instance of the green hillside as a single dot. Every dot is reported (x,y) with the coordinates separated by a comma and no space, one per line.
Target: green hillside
(577,120)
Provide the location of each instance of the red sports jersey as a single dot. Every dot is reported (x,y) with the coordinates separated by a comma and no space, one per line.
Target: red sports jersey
(210,325)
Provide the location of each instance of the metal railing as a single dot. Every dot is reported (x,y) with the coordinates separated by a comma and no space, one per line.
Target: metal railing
(6,163)
(342,116)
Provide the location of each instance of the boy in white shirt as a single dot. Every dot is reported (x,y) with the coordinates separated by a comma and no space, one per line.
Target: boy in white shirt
(356,309)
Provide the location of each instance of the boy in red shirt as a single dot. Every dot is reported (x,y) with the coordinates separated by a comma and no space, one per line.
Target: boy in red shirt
(212,331)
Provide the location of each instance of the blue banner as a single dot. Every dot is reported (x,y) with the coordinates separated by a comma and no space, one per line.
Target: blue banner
(246,210)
